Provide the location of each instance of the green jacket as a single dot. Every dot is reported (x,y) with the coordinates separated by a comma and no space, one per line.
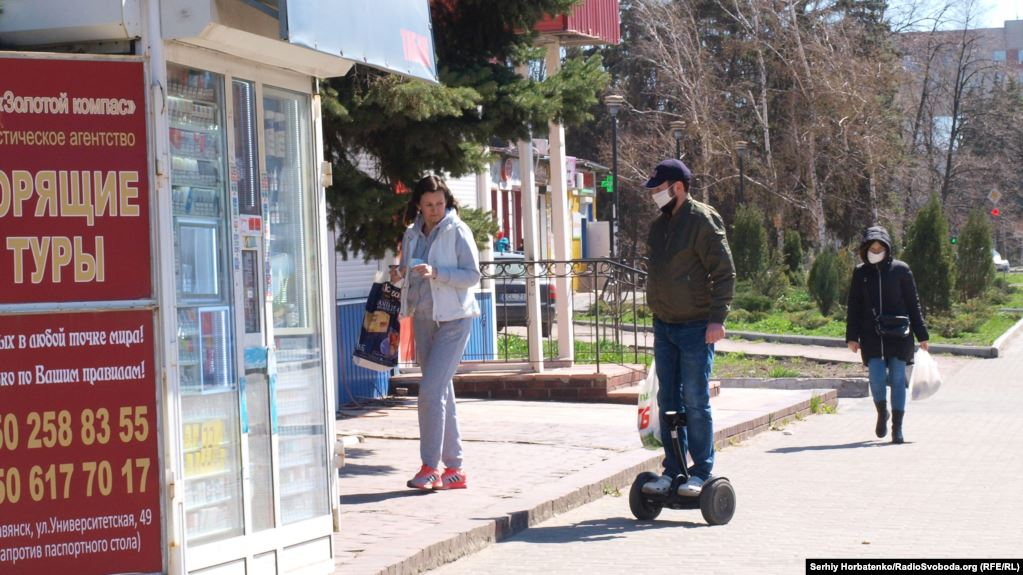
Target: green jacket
(691,275)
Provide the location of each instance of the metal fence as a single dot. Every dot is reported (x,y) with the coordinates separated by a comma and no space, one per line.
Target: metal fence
(611,321)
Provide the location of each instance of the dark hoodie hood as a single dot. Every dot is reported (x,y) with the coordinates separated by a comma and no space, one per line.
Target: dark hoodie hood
(875,234)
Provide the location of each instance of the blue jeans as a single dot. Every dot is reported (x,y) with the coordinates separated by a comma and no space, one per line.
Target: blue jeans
(893,374)
(683,361)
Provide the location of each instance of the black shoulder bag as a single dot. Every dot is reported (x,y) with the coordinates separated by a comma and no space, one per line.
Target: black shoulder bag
(892,326)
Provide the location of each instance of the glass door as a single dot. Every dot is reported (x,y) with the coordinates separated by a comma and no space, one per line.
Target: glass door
(258,469)
(294,281)
(206,344)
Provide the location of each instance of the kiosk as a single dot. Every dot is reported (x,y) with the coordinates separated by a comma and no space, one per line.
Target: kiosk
(167,364)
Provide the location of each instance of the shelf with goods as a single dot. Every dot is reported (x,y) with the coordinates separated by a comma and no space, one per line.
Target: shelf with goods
(200,494)
(302,457)
(209,523)
(288,195)
(211,454)
(196,174)
(196,202)
(196,141)
(204,350)
(302,452)
(198,187)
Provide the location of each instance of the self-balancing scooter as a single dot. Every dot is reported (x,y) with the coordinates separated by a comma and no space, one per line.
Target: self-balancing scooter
(716,500)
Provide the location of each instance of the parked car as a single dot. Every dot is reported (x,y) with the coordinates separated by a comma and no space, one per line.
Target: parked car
(1001,264)
(510,293)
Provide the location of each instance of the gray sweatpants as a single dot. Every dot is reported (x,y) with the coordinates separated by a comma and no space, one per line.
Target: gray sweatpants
(439,349)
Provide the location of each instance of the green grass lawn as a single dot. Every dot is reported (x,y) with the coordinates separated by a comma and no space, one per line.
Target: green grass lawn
(1016,281)
(782,323)
(515,347)
(730,365)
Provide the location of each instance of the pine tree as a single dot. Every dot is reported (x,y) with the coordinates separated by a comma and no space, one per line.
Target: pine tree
(929,255)
(409,127)
(749,242)
(825,280)
(975,268)
(793,253)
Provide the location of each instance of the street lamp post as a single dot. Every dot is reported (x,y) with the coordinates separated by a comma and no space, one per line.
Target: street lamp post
(740,148)
(678,128)
(614,105)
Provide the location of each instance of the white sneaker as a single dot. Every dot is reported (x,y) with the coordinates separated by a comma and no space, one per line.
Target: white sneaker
(691,487)
(658,486)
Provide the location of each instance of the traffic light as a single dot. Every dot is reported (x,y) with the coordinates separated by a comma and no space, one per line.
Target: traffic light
(953,240)
(995,212)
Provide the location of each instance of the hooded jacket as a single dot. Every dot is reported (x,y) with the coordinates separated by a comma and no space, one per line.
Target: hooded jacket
(885,288)
(456,261)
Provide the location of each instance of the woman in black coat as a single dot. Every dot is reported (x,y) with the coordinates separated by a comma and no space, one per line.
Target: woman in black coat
(883,287)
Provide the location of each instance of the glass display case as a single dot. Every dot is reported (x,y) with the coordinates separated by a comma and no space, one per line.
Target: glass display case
(212,482)
(243,191)
(204,347)
(293,271)
(206,344)
(285,166)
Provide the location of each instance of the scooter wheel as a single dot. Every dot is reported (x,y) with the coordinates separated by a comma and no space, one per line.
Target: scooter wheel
(641,506)
(717,502)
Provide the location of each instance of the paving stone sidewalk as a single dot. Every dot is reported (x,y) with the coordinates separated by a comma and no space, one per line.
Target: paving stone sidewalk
(822,488)
(527,461)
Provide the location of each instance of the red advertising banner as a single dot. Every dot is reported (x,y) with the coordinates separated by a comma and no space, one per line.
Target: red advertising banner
(79,468)
(74,188)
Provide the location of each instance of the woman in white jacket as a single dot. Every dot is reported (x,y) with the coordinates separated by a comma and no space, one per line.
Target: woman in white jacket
(440,269)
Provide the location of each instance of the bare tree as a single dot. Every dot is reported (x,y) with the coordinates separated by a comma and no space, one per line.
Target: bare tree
(949,74)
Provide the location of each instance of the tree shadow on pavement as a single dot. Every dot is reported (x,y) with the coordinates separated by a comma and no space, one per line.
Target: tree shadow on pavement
(352,468)
(855,445)
(595,530)
(360,498)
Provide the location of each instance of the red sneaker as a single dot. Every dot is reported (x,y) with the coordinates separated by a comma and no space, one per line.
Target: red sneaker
(427,478)
(453,478)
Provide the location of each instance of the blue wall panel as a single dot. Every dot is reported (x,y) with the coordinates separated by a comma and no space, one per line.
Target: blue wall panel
(355,383)
(358,383)
(482,345)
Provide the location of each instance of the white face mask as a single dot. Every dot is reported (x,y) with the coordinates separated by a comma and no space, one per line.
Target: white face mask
(876,258)
(662,198)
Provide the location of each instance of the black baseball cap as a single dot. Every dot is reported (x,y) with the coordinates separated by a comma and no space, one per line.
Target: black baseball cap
(670,171)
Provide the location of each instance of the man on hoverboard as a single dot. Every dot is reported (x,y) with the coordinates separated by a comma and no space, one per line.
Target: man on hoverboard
(690,287)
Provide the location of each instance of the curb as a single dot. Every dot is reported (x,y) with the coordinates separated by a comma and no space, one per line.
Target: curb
(951,349)
(464,537)
(999,343)
(847,387)
(991,351)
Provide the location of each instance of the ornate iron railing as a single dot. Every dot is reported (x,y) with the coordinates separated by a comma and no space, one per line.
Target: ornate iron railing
(609,314)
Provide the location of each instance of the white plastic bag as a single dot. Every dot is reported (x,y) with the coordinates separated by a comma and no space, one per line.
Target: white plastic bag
(649,420)
(926,378)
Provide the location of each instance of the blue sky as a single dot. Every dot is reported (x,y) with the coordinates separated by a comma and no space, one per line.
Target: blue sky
(992,13)
(1001,10)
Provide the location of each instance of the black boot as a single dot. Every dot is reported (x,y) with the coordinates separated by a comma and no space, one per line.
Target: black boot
(882,418)
(897,426)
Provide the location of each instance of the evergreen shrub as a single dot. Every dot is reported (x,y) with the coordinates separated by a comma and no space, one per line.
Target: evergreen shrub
(975,269)
(748,242)
(824,282)
(929,255)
